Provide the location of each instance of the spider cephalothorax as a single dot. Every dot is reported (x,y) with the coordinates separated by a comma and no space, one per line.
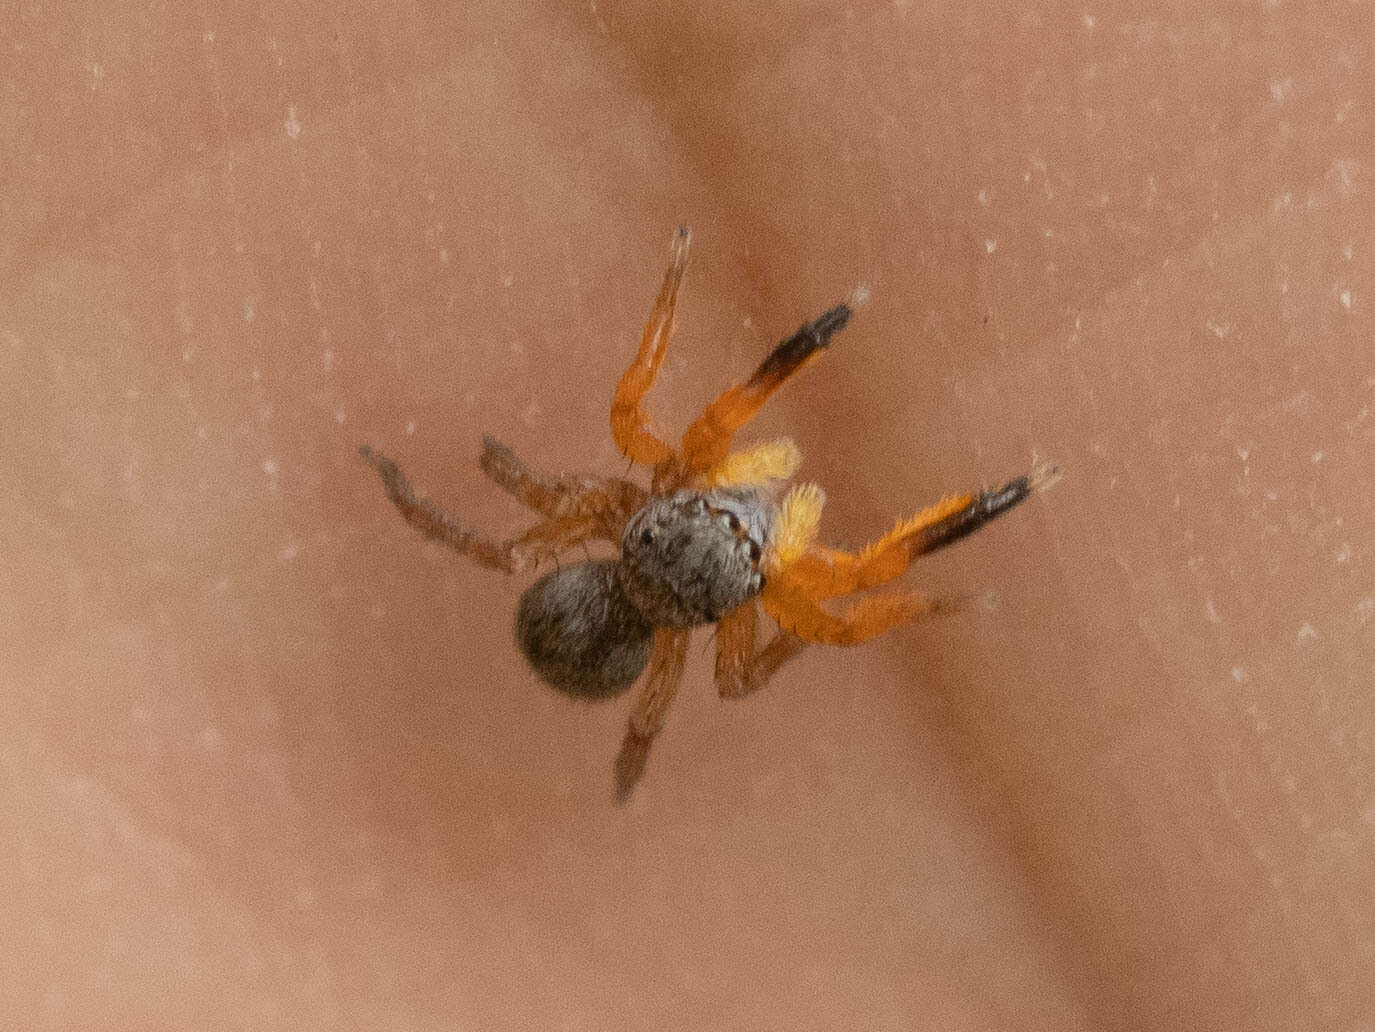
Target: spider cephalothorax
(707,543)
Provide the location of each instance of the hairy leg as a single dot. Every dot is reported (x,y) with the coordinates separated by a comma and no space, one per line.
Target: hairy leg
(827,572)
(706,441)
(756,672)
(735,637)
(604,502)
(544,541)
(661,684)
(629,420)
(798,612)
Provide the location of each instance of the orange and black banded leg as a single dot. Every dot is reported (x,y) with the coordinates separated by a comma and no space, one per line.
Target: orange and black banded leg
(827,572)
(985,506)
(545,541)
(707,440)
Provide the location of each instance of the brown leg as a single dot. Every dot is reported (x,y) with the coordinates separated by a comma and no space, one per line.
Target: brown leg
(661,684)
(604,502)
(707,441)
(544,541)
(629,420)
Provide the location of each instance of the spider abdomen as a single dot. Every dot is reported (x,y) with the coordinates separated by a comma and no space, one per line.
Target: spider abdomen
(581,633)
(692,557)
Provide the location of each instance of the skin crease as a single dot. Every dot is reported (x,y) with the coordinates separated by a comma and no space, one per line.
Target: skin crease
(272,761)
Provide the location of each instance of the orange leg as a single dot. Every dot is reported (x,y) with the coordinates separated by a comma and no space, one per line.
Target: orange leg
(798,612)
(665,671)
(707,441)
(827,572)
(735,636)
(741,670)
(629,420)
(545,541)
(603,502)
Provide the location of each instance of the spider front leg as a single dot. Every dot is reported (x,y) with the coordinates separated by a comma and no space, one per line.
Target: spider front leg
(661,684)
(706,442)
(629,420)
(544,541)
(827,572)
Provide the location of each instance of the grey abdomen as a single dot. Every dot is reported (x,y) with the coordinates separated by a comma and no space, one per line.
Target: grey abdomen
(579,631)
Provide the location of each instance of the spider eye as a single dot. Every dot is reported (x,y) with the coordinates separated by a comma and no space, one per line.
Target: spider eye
(647,536)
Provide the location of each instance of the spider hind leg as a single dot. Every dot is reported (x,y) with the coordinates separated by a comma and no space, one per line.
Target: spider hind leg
(546,540)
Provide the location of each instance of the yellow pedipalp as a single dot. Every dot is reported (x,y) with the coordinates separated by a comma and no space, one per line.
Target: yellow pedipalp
(798,520)
(758,464)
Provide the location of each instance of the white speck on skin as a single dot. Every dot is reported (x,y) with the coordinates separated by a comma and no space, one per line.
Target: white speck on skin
(1238,674)
(990,246)
(208,38)
(250,309)
(859,297)
(1347,252)
(270,467)
(1318,456)
(508,279)
(339,416)
(257,374)
(1364,609)
(1344,553)
(1283,203)
(314,293)
(292,125)
(288,552)
(410,427)
(97,76)
(1243,453)
(1089,21)
(983,198)
(210,738)
(1281,90)
(443,256)
(531,416)
(1219,330)
(1307,633)
(1210,611)
(1344,171)
(1345,298)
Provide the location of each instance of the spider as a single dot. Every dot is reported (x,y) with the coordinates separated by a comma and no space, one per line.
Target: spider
(707,543)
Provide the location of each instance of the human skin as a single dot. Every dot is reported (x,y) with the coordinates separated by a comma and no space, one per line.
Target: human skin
(272,761)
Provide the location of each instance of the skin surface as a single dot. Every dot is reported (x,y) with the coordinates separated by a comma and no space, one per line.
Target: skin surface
(271,761)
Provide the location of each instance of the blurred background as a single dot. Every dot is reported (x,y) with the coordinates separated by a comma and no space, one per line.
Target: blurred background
(268,760)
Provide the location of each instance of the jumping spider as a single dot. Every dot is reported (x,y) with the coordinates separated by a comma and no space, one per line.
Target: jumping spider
(700,546)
